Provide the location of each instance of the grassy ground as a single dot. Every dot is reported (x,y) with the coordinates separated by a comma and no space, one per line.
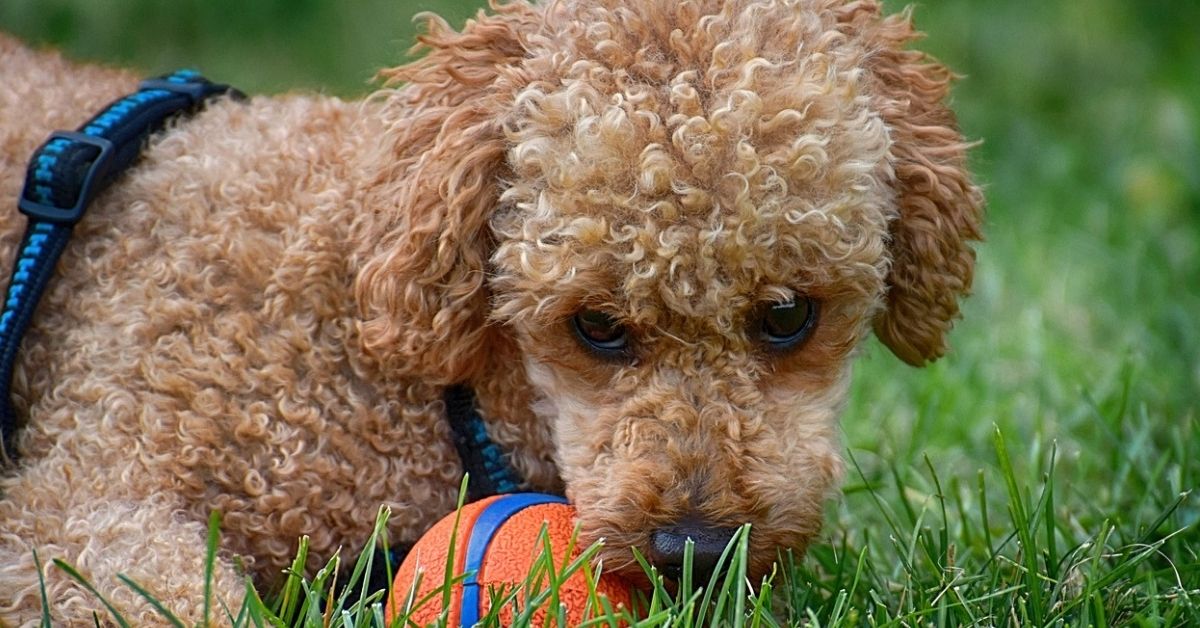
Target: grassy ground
(1040,473)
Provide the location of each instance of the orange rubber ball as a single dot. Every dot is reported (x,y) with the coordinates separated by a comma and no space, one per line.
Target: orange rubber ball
(496,544)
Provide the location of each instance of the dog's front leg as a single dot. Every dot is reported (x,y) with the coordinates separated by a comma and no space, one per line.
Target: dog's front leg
(150,540)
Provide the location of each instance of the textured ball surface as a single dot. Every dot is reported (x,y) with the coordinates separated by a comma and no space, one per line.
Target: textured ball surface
(498,539)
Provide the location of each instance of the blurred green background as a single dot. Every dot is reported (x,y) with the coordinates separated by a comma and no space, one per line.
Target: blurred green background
(1083,328)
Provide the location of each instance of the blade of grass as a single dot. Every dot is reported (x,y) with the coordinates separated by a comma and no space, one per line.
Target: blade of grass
(37,563)
(451,551)
(290,599)
(1021,521)
(158,606)
(76,576)
(210,559)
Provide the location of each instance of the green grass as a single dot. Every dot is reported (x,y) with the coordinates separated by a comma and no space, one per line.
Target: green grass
(942,555)
(1045,471)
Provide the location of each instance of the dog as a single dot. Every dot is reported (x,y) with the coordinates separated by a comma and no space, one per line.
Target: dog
(649,236)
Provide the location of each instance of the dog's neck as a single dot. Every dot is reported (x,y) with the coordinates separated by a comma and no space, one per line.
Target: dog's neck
(505,398)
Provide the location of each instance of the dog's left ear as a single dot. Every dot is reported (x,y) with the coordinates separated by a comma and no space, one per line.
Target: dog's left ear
(939,207)
(433,183)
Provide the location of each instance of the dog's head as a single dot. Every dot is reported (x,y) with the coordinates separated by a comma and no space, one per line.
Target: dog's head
(686,215)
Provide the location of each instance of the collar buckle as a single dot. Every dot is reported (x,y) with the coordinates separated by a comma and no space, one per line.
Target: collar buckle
(97,169)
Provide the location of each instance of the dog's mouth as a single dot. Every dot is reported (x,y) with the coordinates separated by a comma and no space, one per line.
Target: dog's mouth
(697,556)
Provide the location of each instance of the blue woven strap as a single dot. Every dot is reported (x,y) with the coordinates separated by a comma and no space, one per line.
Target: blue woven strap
(63,177)
(488,472)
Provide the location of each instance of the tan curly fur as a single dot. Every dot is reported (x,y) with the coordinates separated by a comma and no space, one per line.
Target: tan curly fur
(260,317)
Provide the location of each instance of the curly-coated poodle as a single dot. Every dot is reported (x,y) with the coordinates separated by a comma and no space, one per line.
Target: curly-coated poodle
(648,235)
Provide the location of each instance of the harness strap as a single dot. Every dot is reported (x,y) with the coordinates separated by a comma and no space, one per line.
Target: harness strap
(488,473)
(63,178)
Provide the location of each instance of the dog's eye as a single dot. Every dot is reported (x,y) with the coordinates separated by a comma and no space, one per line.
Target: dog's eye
(786,325)
(600,331)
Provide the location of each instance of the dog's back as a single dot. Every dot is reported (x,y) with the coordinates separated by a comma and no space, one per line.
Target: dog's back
(196,350)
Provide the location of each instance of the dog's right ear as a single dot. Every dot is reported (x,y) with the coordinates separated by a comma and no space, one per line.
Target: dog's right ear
(421,293)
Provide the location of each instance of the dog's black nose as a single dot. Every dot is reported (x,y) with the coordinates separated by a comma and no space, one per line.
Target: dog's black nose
(667,547)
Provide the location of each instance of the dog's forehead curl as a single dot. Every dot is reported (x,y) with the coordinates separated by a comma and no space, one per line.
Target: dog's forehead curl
(692,167)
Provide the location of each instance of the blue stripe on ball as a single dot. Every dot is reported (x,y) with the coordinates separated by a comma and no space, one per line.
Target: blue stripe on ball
(486,525)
